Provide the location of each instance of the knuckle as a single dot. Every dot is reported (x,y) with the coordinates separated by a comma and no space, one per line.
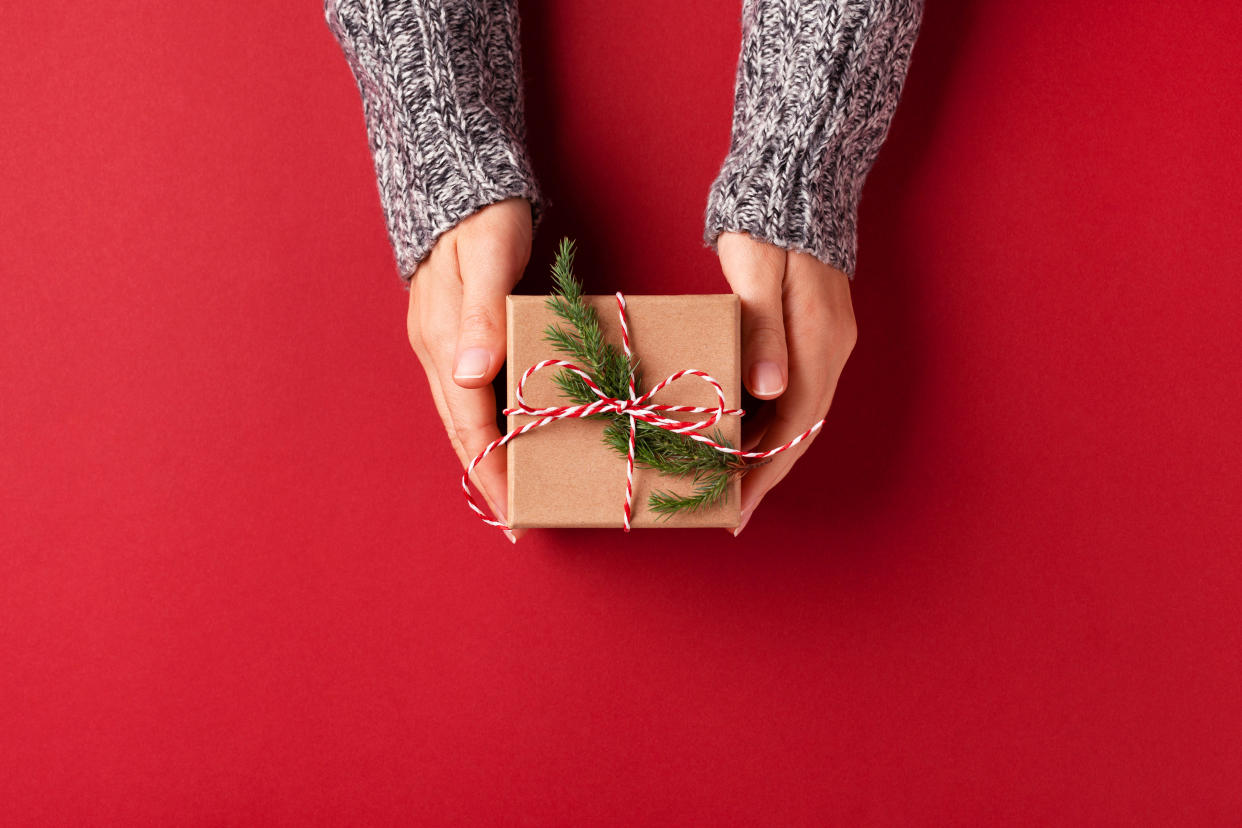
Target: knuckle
(414,330)
(766,335)
(416,340)
(479,321)
(847,334)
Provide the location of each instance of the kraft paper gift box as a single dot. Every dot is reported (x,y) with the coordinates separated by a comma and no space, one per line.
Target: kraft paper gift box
(564,474)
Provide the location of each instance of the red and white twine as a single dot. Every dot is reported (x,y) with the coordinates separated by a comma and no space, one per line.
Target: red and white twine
(636,408)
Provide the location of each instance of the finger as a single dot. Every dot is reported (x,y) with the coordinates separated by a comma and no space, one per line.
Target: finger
(491,258)
(761,480)
(422,301)
(755,271)
(495,492)
(820,326)
(469,413)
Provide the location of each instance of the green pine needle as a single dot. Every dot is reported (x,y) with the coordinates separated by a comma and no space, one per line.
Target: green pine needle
(667,504)
(582,340)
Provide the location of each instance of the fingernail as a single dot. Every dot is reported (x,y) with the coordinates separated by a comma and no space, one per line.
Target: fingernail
(473,363)
(742,524)
(512,538)
(765,379)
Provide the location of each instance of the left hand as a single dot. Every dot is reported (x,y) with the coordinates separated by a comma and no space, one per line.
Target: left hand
(798,329)
(456,323)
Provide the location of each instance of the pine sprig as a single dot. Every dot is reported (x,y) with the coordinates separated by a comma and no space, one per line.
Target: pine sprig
(581,339)
(667,504)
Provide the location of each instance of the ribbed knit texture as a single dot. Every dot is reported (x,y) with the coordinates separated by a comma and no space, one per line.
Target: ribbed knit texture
(817,84)
(441,86)
(442,97)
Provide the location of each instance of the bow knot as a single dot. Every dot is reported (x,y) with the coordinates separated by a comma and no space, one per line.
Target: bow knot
(630,407)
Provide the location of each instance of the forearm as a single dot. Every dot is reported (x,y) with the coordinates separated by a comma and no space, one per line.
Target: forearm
(441,89)
(817,84)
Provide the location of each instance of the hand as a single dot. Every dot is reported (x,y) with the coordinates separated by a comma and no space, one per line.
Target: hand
(798,329)
(456,323)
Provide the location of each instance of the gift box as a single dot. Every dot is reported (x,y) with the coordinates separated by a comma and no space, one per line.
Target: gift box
(565,474)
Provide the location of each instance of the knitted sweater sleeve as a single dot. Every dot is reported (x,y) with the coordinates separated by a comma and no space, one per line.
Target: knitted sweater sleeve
(817,82)
(442,100)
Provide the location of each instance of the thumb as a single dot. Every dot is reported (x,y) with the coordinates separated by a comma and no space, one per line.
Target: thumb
(489,269)
(755,271)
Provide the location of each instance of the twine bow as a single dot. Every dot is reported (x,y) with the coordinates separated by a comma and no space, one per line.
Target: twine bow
(635,408)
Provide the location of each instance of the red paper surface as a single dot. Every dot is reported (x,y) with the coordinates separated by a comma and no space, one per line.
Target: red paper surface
(238,583)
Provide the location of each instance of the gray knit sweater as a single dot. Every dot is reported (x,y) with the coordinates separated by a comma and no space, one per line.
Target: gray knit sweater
(441,86)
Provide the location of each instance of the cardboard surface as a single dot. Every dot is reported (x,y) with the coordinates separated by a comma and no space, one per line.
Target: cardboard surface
(564,475)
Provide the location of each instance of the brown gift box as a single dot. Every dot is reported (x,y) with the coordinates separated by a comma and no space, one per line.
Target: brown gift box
(564,474)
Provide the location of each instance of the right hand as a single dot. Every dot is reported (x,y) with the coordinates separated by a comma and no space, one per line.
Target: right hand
(456,324)
(798,329)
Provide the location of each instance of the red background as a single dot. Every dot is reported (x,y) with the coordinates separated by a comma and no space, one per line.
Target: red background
(238,583)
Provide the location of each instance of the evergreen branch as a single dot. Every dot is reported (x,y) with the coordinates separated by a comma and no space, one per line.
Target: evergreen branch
(676,455)
(666,504)
(584,340)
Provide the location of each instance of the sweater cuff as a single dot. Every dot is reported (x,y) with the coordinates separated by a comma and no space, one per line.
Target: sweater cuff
(763,189)
(441,89)
(816,86)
